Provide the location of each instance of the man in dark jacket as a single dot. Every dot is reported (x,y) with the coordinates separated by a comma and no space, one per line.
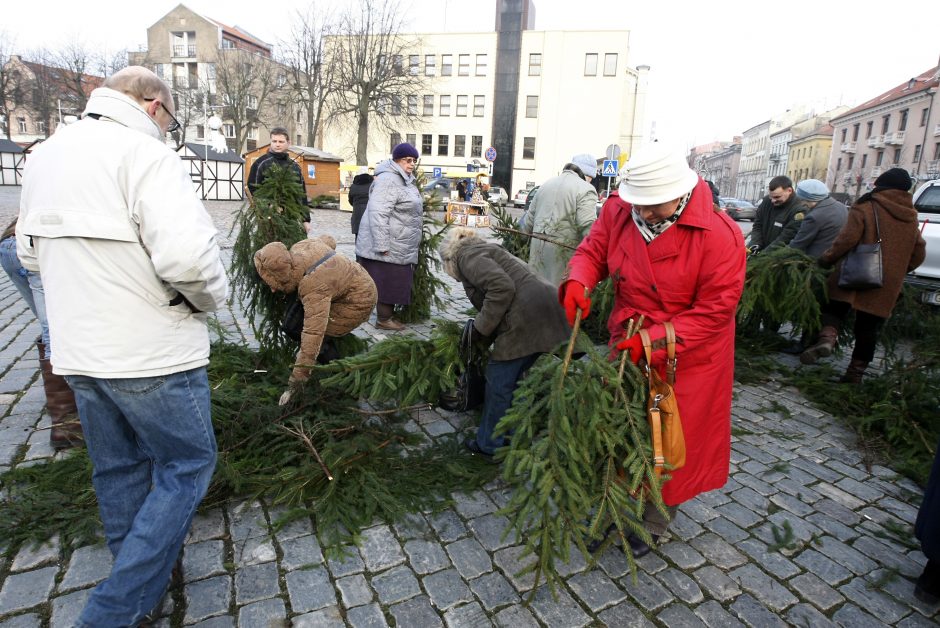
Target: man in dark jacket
(778,216)
(359,198)
(823,221)
(277,155)
(516,307)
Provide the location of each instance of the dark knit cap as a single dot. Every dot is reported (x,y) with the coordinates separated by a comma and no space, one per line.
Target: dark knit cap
(894,179)
(404,150)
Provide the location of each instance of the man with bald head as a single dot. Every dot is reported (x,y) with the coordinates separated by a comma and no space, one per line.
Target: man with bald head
(130,263)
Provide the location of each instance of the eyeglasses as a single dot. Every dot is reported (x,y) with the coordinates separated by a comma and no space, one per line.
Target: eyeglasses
(409,160)
(175,124)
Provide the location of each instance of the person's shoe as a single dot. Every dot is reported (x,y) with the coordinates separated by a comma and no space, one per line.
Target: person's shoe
(794,348)
(594,544)
(638,547)
(854,372)
(471,444)
(927,587)
(824,346)
(389,324)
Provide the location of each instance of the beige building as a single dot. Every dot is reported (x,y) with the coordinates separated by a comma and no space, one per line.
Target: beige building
(222,70)
(808,156)
(899,128)
(537,97)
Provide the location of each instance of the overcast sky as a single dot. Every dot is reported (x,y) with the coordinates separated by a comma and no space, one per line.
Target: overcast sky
(718,68)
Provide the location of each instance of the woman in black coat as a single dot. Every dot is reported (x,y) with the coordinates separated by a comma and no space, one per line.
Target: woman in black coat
(359,198)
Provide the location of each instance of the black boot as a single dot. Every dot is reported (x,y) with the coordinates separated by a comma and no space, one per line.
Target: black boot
(638,546)
(854,372)
(927,587)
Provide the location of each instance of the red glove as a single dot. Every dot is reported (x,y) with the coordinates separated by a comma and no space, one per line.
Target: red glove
(633,346)
(574,297)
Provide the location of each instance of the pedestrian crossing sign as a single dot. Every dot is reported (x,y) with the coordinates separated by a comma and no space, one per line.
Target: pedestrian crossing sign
(610,168)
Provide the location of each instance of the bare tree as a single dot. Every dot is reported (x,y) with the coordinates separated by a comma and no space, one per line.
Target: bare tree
(244,80)
(41,91)
(313,73)
(373,81)
(9,80)
(75,62)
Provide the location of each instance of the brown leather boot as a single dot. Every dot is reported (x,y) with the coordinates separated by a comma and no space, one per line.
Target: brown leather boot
(60,404)
(823,346)
(854,372)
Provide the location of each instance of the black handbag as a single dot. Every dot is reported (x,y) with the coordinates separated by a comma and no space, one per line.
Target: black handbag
(862,269)
(470,389)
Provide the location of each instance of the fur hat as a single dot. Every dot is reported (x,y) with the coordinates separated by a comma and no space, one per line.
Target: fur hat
(811,190)
(656,173)
(894,179)
(404,150)
(586,164)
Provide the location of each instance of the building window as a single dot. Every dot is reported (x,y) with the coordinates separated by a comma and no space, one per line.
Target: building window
(228,44)
(252,132)
(838,164)
(411,138)
(396,105)
(281,109)
(412,105)
(447,65)
(300,114)
(281,80)
(297,139)
(460,145)
(590,64)
(481,66)
(394,140)
(851,161)
(251,101)
(476,145)
(923,116)
(398,64)
(426,144)
(528,148)
(21,123)
(532,106)
(228,130)
(855,132)
(479,103)
(864,160)
(936,151)
(868,128)
(445,106)
(885,121)
(414,61)
(463,65)
(41,127)
(844,131)
(428,105)
(916,154)
(461,106)
(442,145)
(535,64)
(902,125)
(879,157)
(200,132)
(897,156)
(610,64)
(430,65)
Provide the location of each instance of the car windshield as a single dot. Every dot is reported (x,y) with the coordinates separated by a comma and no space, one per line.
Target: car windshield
(929,201)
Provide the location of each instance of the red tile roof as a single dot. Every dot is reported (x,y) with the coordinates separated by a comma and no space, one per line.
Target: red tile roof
(89,81)
(920,83)
(241,34)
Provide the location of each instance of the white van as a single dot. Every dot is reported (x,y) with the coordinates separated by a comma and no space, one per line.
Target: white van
(927,276)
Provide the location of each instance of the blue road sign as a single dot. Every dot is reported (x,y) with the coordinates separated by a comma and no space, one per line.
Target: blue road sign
(610,168)
(490,154)
(437,173)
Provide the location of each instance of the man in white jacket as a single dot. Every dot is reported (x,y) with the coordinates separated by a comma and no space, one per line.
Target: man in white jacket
(130,262)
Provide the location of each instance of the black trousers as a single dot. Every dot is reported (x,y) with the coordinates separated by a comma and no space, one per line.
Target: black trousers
(867,328)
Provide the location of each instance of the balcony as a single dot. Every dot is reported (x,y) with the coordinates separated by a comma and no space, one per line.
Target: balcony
(182,82)
(876,171)
(876,141)
(895,138)
(186,51)
(933,166)
(849,147)
(847,177)
(936,130)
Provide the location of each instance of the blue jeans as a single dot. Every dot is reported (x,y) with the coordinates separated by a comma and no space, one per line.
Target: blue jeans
(502,377)
(153,449)
(29,285)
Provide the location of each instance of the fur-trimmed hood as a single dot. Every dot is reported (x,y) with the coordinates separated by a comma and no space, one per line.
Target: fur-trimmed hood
(457,238)
(282,270)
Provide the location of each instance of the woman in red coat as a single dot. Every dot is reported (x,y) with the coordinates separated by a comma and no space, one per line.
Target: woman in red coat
(672,257)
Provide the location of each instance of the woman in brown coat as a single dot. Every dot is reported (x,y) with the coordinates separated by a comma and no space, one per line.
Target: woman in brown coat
(902,250)
(337,293)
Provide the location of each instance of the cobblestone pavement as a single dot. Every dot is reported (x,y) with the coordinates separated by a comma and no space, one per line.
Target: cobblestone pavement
(851,562)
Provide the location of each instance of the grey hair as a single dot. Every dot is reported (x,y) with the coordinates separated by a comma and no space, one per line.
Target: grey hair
(140,84)
(448,248)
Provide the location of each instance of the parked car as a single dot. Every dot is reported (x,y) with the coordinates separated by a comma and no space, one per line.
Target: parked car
(519,199)
(498,196)
(927,276)
(738,209)
(438,187)
(530,196)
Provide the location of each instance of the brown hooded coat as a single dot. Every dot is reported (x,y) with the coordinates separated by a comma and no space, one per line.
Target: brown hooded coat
(902,249)
(337,296)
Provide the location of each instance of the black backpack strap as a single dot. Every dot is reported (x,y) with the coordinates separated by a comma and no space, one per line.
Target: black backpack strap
(319,261)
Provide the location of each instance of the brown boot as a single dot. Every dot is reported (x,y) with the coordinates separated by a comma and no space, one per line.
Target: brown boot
(854,372)
(823,347)
(60,404)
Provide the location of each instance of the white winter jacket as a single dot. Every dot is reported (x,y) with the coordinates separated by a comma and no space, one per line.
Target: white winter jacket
(109,217)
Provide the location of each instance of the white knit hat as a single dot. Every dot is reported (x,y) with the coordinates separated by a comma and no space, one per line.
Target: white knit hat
(654,174)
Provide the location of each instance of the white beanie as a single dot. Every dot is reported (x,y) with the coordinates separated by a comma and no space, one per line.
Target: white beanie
(654,174)
(586,163)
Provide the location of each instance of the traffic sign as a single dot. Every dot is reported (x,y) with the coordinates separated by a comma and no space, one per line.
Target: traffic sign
(610,168)
(437,173)
(490,154)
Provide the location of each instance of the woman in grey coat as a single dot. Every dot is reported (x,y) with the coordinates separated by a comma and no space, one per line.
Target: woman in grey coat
(518,312)
(390,233)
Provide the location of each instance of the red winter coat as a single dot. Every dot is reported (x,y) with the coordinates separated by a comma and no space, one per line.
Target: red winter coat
(692,275)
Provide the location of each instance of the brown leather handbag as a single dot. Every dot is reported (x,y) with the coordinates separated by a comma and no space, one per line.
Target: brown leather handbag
(663,409)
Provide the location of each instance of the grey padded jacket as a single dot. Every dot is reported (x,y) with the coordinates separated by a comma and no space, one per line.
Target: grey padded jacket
(390,230)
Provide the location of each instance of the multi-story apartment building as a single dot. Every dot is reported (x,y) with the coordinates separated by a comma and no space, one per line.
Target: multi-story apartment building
(721,167)
(537,97)
(752,171)
(40,96)
(899,128)
(777,158)
(193,54)
(809,154)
